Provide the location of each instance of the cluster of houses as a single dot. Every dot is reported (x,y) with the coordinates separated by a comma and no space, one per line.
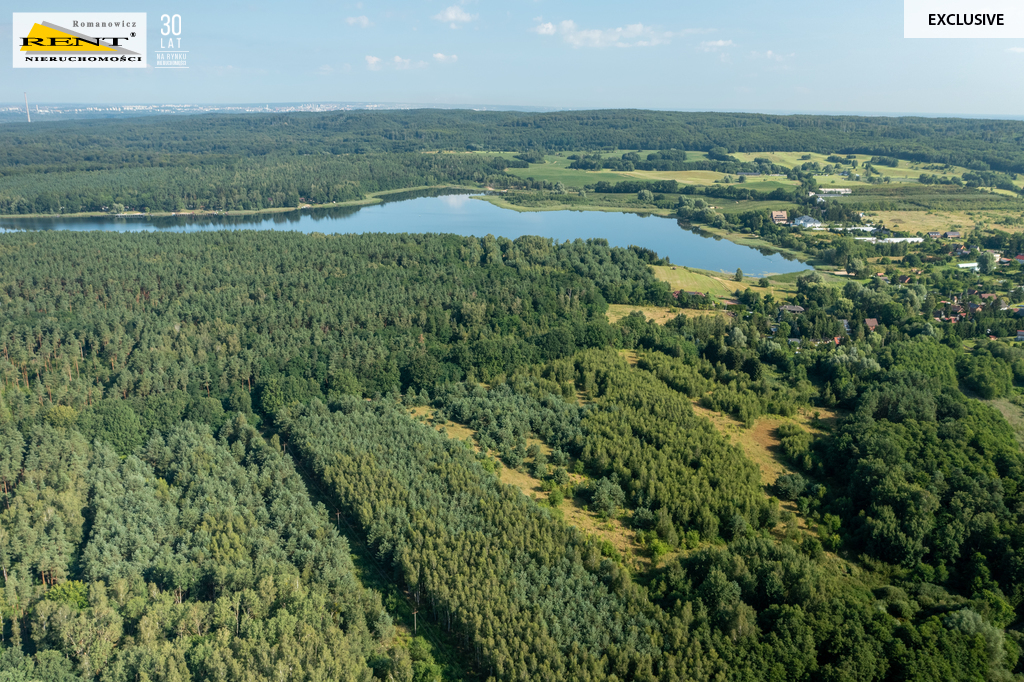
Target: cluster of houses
(871,323)
(963,251)
(958,308)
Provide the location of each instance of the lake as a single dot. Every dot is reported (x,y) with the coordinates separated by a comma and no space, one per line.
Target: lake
(461,214)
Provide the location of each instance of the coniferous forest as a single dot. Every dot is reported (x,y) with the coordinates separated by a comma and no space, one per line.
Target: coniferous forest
(261,161)
(199,431)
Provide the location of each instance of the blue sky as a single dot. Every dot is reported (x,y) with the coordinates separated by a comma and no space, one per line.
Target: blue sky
(730,56)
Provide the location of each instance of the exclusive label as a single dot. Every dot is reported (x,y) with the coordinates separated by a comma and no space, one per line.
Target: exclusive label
(963,19)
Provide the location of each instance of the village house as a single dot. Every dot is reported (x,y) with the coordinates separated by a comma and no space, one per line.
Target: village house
(904,279)
(795,309)
(951,235)
(780,217)
(871,323)
(807,221)
(934,235)
(1020,334)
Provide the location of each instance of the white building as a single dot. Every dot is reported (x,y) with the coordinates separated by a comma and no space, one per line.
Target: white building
(807,221)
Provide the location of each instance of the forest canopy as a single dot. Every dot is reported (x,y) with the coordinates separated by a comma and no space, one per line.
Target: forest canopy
(258,161)
(196,430)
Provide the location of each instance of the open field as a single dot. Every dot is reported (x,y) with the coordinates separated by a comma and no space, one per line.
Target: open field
(595,202)
(765,184)
(723,285)
(689,279)
(656,314)
(742,206)
(906,171)
(924,221)
(942,221)
(556,169)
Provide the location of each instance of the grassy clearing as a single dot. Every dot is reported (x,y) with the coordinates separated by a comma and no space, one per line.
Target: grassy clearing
(721,284)
(907,170)
(656,314)
(613,530)
(760,444)
(556,169)
(629,356)
(1013,414)
(608,203)
(964,222)
(765,184)
(688,279)
(925,221)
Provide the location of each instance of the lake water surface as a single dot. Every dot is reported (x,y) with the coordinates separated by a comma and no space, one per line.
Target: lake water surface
(463,215)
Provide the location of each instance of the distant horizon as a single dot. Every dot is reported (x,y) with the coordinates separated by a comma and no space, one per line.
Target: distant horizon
(7,107)
(792,59)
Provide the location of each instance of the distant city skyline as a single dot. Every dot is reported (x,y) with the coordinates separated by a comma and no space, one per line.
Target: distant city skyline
(795,58)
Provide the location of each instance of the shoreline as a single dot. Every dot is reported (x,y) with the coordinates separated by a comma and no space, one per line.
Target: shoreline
(371,199)
(494,198)
(501,203)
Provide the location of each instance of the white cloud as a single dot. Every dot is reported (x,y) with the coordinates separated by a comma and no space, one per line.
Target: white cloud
(373,63)
(361,22)
(401,63)
(326,70)
(1016,49)
(446,58)
(713,45)
(631,35)
(773,56)
(454,15)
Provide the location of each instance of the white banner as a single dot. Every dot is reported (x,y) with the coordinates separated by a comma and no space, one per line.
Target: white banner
(960,19)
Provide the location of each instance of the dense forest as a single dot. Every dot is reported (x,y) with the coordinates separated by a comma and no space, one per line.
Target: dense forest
(247,162)
(167,398)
